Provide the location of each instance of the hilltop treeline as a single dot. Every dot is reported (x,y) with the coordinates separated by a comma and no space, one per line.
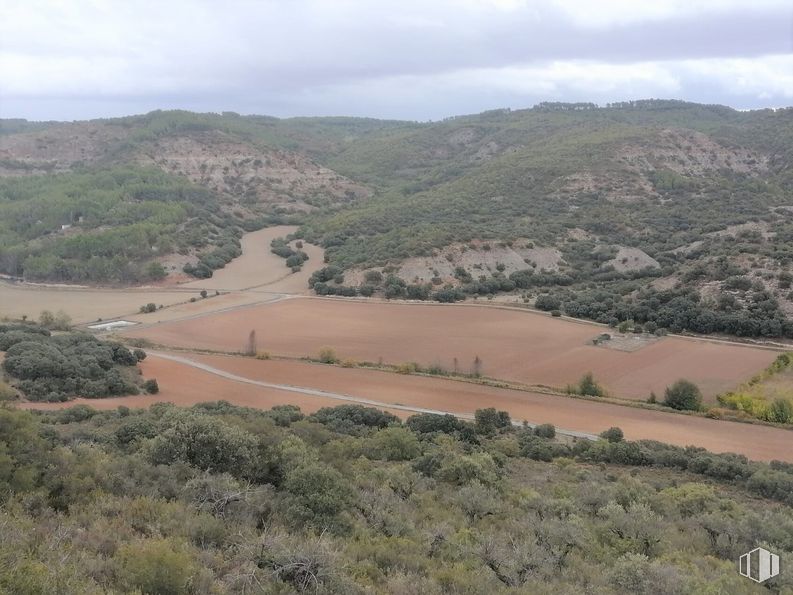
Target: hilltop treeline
(221,499)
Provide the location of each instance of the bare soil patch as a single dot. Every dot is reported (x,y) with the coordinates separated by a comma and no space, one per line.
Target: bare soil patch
(82,304)
(520,346)
(250,278)
(632,259)
(258,266)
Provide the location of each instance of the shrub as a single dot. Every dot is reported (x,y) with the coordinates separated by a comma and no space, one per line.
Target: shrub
(487,421)
(355,420)
(428,423)
(155,566)
(780,411)
(613,434)
(587,386)
(285,415)
(328,356)
(547,302)
(151,386)
(148,308)
(545,431)
(319,492)
(139,354)
(373,278)
(683,395)
(393,444)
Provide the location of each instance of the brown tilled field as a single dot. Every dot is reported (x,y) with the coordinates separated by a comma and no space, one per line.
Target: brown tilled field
(185,385)
(516,345)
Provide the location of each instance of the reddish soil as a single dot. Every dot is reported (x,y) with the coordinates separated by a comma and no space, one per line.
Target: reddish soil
(185,385)
(521,346)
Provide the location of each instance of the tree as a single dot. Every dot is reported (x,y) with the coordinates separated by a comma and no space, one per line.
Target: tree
(476,367)
(203,442)
(320,492)
(251,347)
(683,395)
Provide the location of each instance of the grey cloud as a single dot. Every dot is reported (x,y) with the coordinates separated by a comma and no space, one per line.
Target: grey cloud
(389,59)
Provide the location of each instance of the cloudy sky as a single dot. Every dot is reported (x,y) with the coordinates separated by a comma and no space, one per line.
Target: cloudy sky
(413,59)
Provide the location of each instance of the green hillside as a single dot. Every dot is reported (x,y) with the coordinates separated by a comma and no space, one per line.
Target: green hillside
(607,213)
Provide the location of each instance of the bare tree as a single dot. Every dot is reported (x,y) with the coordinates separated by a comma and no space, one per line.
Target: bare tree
(476,368)
(251,348)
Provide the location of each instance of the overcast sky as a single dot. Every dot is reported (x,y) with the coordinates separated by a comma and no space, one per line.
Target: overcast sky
(412,59)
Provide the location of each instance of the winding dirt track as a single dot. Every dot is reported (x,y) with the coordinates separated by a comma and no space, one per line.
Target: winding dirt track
(189,379)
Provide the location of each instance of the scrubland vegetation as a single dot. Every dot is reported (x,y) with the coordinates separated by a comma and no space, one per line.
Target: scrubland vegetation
(217,499)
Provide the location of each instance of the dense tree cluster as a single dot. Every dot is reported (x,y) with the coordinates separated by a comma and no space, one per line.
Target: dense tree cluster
(218,498)
(679,310)
(47,367)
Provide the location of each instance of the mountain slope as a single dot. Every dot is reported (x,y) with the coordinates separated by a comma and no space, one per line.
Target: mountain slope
(647,200)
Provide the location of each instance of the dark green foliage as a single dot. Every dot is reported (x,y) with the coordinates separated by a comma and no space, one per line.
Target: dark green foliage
(126,215)
(612,435)
(547,302)
(294,258)
(488,421)
(587,387)
(353,419)
(681,310)
(545,431)
(683,394)
(151,386)
(448,294)
(204,442)
(57,368)
(319,492)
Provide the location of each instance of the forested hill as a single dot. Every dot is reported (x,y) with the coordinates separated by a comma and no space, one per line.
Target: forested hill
(587,206)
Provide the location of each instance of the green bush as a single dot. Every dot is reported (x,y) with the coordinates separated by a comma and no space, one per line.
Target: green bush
(612,435)
(683,395)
